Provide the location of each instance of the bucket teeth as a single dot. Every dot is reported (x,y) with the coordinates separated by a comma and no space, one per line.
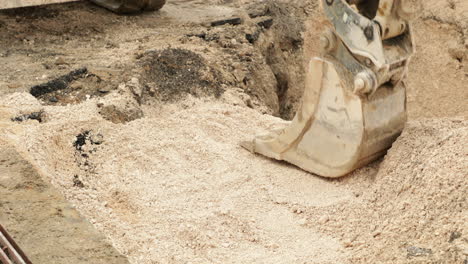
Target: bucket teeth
(248,145)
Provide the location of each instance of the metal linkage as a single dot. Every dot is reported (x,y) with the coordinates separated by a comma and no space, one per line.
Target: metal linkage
(10,253)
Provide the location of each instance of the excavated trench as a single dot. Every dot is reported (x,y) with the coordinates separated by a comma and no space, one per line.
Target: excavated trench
(270,71)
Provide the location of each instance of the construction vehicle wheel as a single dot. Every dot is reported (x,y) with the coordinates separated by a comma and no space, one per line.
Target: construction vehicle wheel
(130,6)
(154,5)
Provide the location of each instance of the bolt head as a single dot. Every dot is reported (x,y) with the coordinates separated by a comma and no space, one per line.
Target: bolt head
(328,41)
(359,85)
(324,43)
(363,83)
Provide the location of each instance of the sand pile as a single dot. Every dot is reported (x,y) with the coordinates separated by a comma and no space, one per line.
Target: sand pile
(175,187)
(414,210)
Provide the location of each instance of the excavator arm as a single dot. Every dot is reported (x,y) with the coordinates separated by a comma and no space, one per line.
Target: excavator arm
(354,102)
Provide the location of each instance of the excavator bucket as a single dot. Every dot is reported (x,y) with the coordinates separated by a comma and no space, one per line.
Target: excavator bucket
(354,102)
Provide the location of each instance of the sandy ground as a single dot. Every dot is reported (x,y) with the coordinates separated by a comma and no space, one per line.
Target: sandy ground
(153,161)
(42,221)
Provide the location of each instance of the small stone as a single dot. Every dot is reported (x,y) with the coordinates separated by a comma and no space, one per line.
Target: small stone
(96,139)
(457,54)
(249,103)
(110,45)
(225,244)
(324,219)
(274,246)
(60,61)
(252,239)
(454,235)
(46,66)
(76,86)
(32,116)
(77,182)
(266,23)
(106,89)
(13,85)
(298,211)
(348,244)
(418,252)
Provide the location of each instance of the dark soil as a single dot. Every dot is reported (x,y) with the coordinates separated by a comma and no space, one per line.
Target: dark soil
(57,84)
(86,144)
(171,73)
(120,116)
(32,13)
(72,88)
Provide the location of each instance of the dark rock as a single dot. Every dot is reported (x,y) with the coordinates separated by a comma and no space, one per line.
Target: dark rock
(87,137)
(32,116)
(266,23)
(60,83)
(205,36)
(81,140)
(199,35)
(454,235)
(230,21)
(252,37)
(77,182)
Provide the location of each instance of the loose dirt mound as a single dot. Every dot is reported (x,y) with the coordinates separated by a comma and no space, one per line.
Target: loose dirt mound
(197,195)
(414,209)
(175,186)
(442,51)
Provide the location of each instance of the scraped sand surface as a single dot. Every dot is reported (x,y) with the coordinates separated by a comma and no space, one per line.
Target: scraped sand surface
(167,181)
